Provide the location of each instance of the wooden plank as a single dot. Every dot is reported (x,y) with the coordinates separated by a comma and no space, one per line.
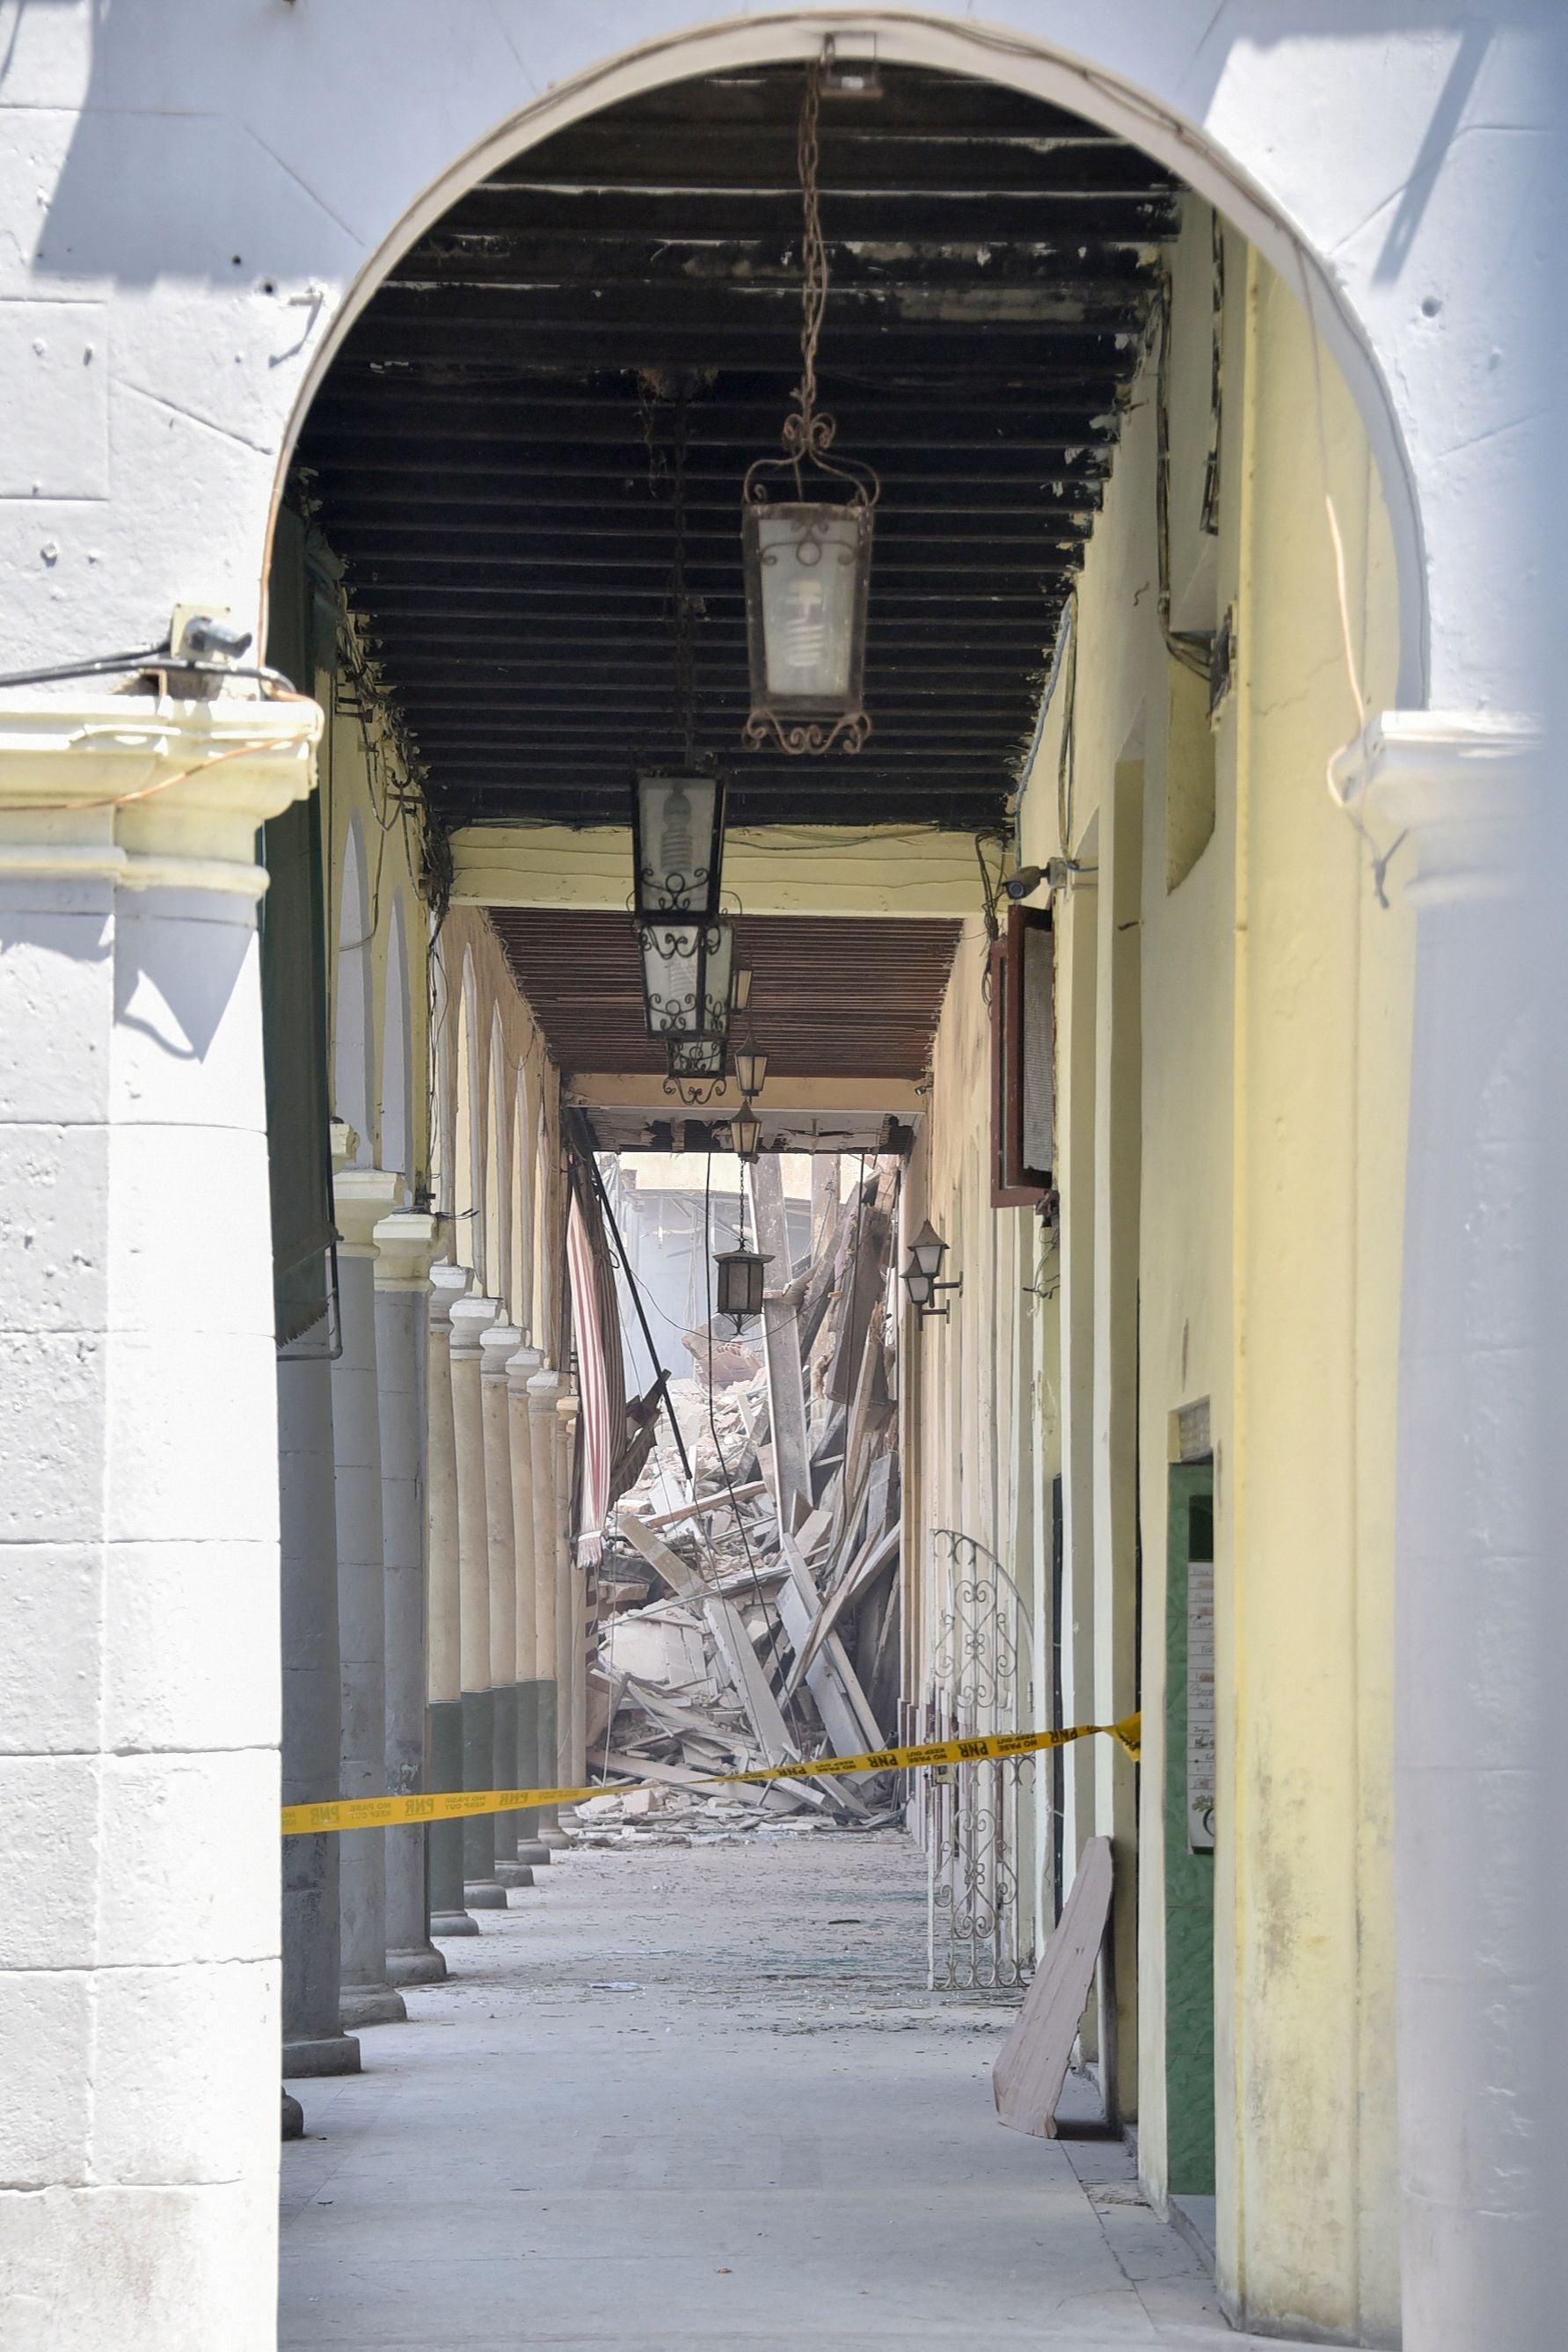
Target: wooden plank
(865,1564)
(831,1680)
(781,1345)
(730,1636)
(1028,2076)
(707,1503)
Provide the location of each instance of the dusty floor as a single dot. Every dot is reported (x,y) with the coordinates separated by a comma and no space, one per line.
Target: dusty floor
(689,2097)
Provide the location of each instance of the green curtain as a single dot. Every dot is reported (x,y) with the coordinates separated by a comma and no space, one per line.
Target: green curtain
(294,990)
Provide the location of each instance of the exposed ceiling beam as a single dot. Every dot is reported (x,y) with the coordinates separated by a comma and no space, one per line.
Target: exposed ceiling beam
(772,869)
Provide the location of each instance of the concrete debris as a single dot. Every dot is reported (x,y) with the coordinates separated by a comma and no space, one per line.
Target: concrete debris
(750,1615)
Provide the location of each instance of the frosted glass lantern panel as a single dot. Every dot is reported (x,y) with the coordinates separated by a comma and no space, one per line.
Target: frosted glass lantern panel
(807,570)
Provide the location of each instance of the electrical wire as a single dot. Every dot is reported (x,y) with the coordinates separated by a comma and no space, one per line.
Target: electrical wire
(769,1609)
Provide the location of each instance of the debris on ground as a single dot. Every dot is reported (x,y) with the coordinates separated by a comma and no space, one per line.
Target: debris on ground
(748,1615)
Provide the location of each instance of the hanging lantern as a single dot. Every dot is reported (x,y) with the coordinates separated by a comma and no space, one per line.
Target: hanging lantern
(678,846)
(751,1069)
(739,1275)
(686,978)
(746,1135)
(808,558)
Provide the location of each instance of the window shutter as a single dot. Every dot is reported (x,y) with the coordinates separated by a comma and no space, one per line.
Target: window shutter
(1023,1062)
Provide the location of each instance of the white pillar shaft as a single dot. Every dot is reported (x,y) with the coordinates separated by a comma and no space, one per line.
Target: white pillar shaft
(571,1641)
(1478,1808)
(524,1364)
(313,2038)
(442,1604)
(543,1390)
(139,1595)
(404,1241)
(469,1317)
(362,1611)
(499,1342)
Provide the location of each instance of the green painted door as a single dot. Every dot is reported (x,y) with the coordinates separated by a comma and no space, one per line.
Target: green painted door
(1189,1832)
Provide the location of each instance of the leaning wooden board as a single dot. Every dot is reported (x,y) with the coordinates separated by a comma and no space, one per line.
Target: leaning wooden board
(1027,2078)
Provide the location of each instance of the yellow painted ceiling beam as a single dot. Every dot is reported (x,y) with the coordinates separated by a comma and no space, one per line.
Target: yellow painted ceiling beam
(912,871)
(644,1090)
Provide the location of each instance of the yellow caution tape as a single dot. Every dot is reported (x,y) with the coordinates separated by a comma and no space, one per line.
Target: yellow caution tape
(457,1805)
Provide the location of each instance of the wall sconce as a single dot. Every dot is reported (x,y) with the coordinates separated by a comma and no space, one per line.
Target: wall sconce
(677,847)
(740,987)
(926,1252)
(751,1069)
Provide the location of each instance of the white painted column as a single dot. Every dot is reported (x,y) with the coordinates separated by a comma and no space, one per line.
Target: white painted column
(571,1648)
(469,1318)
(544,1388)
(361,1197)
(496,1346)
(443,1736)
(1479,1805)
(139,1594)
(405,1241)
(314,2041)
(531,1771)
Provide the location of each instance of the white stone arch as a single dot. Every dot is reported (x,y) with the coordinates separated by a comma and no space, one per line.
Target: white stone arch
(1120,90)
(397,1059)
(353,1001)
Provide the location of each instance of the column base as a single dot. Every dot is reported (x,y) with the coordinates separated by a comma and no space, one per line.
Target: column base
(421,1965)
(533,1851)
(322,2053)
(483,1894)
(556,1841)
(514,1874)
(293,2118)
(370,2005)
(448,1924)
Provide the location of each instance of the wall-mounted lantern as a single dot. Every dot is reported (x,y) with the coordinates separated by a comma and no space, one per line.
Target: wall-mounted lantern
(926,1252)
(740,987)
(750,1070)
(678,846)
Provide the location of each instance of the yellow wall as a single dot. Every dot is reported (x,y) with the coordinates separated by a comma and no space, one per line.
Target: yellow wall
(1232,1055)
(481,1135)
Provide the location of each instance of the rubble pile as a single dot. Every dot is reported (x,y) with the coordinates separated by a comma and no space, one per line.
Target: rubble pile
(750,1615)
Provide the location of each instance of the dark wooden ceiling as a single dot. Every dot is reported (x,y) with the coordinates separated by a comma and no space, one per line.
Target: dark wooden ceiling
(481,447)
(831,997)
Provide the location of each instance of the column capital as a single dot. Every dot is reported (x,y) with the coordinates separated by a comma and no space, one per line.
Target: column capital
(361,1197)
(499,1342)
(469,1320)
(148,792)
(521,1368)
(405,1242)
(448,1284)
(543,1390)
(1458,783)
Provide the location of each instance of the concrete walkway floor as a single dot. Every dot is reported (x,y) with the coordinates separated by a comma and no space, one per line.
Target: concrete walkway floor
(698,2096)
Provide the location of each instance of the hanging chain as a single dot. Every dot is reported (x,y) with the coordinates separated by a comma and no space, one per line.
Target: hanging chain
(684,615)
(800,432)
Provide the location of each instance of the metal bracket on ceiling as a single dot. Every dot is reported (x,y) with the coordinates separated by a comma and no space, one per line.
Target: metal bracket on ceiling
(850,67)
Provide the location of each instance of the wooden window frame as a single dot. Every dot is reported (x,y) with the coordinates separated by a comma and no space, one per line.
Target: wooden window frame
(1014,1185)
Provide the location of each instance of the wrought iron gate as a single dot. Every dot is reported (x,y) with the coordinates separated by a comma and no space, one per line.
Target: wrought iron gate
(978,1817)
